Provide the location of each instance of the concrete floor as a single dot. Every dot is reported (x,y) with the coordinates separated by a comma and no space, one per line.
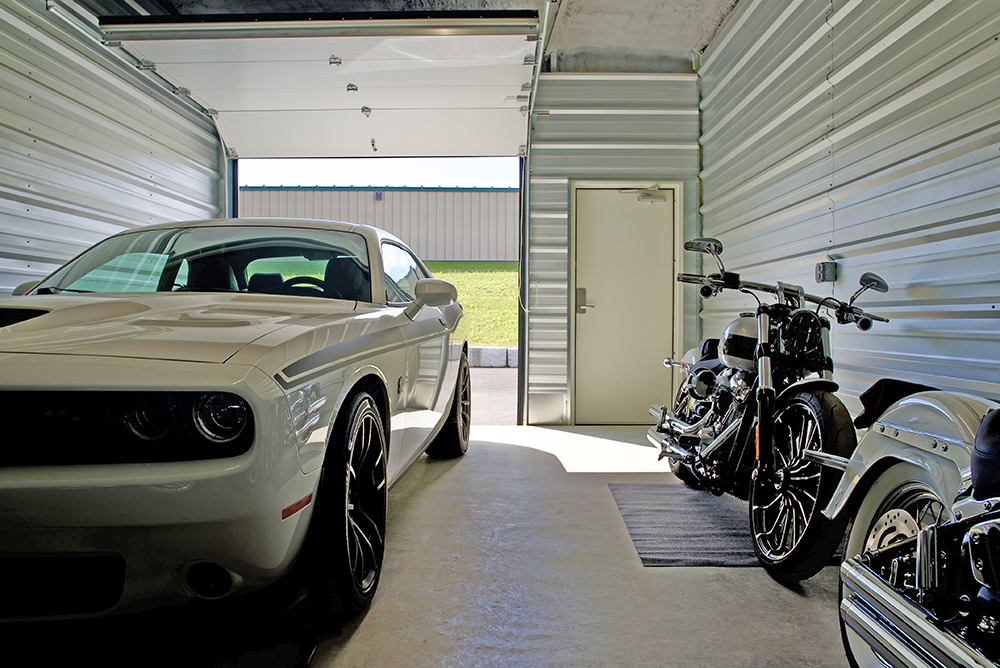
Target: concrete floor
(505,557)
(494,395)
(514,555)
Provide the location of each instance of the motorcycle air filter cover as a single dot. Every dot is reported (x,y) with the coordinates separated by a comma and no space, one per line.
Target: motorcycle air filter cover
(739,343)
(986,458)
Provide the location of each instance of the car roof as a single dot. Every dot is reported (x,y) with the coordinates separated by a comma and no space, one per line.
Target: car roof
(300,223)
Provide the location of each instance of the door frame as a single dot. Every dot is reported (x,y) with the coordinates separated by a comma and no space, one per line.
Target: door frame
(678,236)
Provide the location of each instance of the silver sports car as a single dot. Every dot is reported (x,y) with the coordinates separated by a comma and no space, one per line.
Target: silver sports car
(194,409)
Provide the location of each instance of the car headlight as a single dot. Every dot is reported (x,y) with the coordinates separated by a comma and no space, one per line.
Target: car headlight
(150,417)
(220,417)
(114,427)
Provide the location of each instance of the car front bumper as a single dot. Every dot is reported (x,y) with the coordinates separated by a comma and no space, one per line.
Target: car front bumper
(83,540)
(141,531)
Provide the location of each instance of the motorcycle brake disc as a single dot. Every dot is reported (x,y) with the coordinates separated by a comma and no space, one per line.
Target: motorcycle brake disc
(894,526)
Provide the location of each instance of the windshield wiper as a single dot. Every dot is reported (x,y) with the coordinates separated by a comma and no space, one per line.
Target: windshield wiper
(50,290)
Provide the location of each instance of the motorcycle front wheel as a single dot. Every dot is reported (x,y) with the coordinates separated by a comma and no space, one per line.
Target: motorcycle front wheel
(900,503)
(791,536)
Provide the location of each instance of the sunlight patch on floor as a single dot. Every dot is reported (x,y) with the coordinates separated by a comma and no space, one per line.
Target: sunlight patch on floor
(582,449)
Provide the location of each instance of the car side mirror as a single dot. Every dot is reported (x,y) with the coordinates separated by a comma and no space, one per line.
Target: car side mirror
(431,292)
(24,288)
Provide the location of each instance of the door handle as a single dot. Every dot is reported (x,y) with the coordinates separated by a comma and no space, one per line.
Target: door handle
(581,301)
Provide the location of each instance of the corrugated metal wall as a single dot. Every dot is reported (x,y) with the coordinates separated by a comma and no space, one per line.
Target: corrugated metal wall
(867,132)
(593,127)
(87,147)
(437,223)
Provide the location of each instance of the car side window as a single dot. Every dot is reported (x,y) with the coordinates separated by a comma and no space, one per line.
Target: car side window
(401,273)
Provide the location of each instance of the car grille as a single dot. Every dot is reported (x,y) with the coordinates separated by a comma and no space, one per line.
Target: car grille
(60,585)
(79,428)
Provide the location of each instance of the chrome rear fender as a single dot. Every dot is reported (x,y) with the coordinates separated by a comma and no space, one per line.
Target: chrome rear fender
(932,430)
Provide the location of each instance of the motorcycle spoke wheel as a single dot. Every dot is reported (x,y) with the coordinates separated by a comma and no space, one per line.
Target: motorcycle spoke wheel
(785,504)
(897,505)
(911,508)
(792,538)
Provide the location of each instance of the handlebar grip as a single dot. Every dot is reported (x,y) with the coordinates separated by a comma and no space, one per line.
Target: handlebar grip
(691,278)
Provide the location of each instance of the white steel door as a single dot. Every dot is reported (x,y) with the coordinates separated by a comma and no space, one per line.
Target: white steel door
(623,304)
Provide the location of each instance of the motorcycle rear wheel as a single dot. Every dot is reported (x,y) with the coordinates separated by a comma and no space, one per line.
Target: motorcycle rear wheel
(792,538)
(900,502)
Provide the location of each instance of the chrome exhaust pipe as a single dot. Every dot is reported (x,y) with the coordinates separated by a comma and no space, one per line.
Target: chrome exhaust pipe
(667,447)
(895,628)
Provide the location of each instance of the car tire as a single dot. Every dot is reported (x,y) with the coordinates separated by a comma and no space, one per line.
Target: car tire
(453,439)
(346,541)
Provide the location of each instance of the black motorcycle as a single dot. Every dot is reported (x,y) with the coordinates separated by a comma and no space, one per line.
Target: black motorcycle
(762,422)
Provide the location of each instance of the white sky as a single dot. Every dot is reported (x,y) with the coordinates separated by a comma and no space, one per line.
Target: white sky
(413,172)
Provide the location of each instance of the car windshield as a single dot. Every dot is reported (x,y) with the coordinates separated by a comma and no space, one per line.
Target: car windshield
(286,261)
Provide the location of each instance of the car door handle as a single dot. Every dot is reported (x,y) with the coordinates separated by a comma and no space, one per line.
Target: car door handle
(581,301)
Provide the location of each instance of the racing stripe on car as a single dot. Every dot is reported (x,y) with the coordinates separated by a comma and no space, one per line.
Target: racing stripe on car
(340,354)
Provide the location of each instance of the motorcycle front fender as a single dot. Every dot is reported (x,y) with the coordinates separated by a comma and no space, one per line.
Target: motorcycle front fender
(931,430)
(818,384)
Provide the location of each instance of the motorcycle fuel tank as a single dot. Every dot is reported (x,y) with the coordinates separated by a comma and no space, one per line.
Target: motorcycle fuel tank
(739,343)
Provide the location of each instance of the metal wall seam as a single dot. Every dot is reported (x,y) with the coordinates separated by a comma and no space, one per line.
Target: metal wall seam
(888,163)
(86,152)
(438,224)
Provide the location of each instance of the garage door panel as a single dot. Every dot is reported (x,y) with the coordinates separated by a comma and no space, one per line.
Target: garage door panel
(348,133)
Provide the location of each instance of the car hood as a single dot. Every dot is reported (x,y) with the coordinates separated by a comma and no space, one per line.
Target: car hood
(189,327)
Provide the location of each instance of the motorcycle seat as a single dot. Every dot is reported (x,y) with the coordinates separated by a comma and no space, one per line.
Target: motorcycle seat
(882,394)
(986,458)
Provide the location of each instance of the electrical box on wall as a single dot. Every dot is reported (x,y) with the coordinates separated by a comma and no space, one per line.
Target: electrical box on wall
(826,272)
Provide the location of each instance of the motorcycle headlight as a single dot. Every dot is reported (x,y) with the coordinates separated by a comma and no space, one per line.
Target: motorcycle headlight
(703,384)
(802,335)
(220,417)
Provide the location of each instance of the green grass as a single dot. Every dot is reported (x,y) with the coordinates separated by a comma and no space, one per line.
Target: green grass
(488,293)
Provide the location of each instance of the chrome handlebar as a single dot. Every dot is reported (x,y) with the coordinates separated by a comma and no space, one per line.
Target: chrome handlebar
(713,284)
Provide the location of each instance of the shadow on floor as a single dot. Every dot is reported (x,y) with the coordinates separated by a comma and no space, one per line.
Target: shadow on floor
(276,629)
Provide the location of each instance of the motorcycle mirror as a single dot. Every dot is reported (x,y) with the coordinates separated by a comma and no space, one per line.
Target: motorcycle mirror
(707,245)
(704,245)
(871,281)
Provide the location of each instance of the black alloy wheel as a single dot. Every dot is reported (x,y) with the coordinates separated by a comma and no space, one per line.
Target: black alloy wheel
(347,534)
(366,498)
(791,536)
(453,439)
